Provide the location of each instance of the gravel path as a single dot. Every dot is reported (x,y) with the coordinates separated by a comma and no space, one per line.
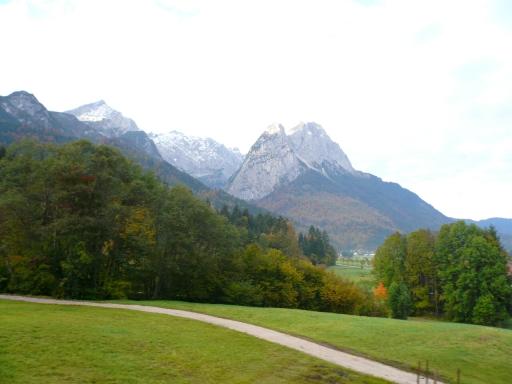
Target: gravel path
(343,359)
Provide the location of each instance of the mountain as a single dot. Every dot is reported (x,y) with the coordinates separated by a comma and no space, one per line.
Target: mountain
(22,115)
(277,159)
(270,162)
(307,139)
(105,120)
(205,159)
(141,141)
(306,176)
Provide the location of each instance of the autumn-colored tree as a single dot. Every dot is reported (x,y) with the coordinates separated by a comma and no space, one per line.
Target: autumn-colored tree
(380,292)
(340,295)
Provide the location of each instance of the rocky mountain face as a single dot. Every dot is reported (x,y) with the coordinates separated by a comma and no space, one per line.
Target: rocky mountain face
(277,159)
(105,120)
(141,141)
(205,159)
(23,112)
(25,108)
(270,162)
(307,177)
(313,146)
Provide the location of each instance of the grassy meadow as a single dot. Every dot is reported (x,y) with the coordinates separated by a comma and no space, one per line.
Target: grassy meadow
(42,343)
(361,276)
(66,344)
(483,354)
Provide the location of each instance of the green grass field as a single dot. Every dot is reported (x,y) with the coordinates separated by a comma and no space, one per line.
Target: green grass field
(360,276)
(483,354)
(66,344)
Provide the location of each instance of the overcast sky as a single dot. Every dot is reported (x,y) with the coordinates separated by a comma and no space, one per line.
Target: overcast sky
(415,92)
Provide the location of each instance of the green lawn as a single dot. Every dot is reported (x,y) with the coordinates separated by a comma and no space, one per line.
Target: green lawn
(360,276)
(66,344)
(483,354)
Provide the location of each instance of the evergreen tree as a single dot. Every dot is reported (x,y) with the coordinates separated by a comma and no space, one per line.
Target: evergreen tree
(399,300)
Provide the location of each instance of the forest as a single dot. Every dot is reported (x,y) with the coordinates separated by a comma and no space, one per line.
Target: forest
(459,273)
(82,221)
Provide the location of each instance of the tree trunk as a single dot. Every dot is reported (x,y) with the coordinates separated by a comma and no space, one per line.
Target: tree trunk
(13,279)
(157,286)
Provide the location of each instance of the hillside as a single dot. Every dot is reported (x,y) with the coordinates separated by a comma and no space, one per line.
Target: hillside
(106,345)
(481,353)
(357,212)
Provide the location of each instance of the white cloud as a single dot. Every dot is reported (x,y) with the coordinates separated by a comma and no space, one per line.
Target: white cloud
(415,92)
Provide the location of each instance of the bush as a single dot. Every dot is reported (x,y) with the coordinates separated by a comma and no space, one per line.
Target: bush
(340,295)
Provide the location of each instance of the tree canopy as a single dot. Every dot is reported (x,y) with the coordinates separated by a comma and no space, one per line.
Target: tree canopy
(82,221)
(460,272)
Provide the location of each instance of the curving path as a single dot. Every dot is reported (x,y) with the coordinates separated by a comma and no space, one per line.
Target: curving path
(343,359)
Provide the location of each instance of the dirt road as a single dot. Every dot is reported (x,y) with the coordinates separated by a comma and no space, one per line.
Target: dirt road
(343,359)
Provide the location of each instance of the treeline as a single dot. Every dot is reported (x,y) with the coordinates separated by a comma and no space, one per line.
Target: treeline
(82,221)
(275,232)
(317,248)
(459,273)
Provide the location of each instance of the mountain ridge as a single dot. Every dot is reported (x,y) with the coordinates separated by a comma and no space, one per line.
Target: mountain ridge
(322,180)
(31,119)
(204,158)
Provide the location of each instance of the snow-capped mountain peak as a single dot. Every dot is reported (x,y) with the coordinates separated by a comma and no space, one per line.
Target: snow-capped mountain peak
(106,120)
(203,158)
(274,128)
(97,112)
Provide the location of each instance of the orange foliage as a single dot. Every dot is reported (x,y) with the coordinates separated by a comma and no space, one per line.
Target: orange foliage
(380,293)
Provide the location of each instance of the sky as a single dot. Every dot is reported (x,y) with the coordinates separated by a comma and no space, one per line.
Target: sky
(415,92)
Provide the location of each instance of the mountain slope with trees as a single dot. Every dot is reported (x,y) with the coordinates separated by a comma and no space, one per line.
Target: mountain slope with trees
(358,211)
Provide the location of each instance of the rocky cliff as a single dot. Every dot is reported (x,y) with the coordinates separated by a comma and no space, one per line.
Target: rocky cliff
(277,159)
